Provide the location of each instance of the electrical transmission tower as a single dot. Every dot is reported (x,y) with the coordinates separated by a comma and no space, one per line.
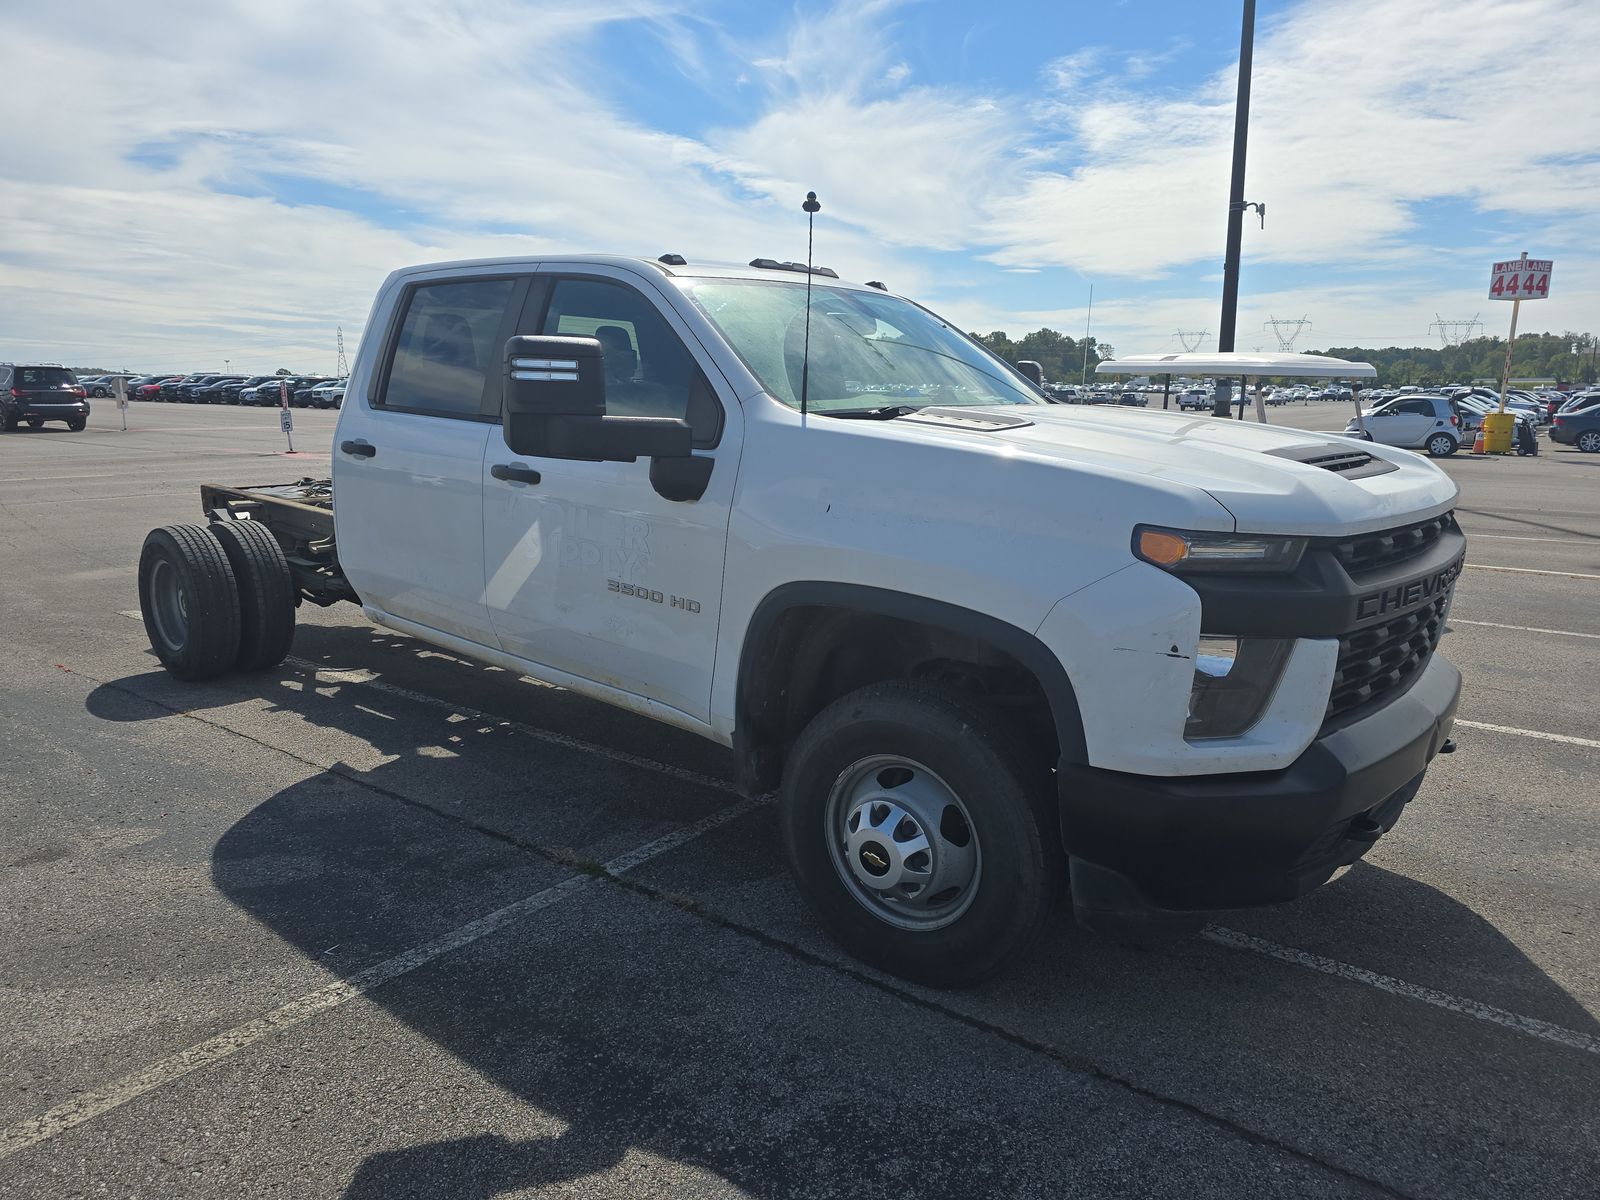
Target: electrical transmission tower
(1287,331)
(1453,333)
(1192,339)
(344,365)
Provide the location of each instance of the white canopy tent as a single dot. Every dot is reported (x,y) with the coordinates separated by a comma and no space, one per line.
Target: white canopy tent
(1231,365)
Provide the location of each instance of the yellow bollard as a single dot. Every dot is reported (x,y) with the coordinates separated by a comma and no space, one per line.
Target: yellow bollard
(1497,430)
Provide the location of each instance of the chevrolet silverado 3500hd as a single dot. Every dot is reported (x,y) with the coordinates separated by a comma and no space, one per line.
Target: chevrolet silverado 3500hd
(983,646)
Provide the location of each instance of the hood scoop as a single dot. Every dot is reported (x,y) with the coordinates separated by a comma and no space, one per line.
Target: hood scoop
(976,420)
(1351,462)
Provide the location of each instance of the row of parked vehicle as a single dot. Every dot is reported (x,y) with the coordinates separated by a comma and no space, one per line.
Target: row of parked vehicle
(1440,422)
(305,391)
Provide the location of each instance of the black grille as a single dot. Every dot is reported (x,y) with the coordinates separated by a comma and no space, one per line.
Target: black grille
(1389,546)
(1383,659)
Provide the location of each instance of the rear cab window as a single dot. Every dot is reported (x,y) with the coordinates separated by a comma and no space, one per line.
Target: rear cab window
(447,346)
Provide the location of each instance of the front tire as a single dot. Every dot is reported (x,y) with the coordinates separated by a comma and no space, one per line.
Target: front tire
(921,833)
(189,599)
(1441,445)
(1589,441)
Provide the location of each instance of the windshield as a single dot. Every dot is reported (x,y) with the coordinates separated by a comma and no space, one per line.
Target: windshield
(867,350)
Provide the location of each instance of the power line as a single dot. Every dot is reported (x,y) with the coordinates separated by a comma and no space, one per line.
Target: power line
(344,367)
(1191,339)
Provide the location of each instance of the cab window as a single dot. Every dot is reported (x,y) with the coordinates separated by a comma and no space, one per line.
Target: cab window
(448,340)
(649,371)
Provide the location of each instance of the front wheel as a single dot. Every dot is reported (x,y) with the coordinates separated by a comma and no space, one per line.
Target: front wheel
(1589,441)
(921,833)
(1441,445)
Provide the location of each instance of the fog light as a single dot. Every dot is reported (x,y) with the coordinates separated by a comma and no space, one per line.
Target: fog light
(1234,679)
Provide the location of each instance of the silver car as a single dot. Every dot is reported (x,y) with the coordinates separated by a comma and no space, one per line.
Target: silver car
(1418,421)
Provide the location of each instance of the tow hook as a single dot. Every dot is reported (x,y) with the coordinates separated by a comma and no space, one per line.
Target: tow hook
(1449,746)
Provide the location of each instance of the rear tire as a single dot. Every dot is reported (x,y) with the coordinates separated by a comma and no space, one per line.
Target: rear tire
(895,766)
(1441,445)
(266,592)
(1589,441)
(77,426)
(189,599)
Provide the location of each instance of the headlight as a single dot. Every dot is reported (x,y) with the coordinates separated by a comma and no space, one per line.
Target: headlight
(1234,678)
(1182,551)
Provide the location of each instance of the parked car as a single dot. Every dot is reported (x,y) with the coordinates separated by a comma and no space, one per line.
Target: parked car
(215,392)
(148,387)
(1194,398)
(1480,407)
(1580,428)
(331,394)
(228,392)
(40,392)
(1416,421)
(172,391)
(301,396)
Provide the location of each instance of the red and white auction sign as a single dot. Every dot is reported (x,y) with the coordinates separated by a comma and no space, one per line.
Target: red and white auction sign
(1521,279)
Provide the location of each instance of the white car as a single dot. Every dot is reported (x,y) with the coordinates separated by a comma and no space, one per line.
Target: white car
(1415,421)
(328,395)
(984,647)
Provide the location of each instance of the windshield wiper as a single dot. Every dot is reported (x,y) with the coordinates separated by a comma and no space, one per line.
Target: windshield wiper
(887,413)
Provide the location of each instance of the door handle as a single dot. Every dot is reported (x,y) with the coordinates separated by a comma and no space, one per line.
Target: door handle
(358,449)
(514,473)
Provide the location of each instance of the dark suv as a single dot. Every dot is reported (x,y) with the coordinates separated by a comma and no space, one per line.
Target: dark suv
(40,392)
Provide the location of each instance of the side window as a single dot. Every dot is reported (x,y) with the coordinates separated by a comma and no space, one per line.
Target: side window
(448,341)
(649,372)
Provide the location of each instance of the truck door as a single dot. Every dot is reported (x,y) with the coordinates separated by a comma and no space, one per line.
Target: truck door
(408,455)
(590,570)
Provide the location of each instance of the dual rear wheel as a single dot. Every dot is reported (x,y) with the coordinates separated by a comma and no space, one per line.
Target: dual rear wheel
(216,598)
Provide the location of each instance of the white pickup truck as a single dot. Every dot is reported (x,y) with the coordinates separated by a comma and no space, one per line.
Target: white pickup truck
(986,648)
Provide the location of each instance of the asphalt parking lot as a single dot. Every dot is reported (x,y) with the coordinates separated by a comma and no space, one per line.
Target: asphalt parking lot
(383,923)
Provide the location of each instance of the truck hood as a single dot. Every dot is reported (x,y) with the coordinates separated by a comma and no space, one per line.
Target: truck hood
(1254,471)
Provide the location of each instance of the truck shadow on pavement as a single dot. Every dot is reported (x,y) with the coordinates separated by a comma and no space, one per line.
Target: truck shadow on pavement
(633,1029)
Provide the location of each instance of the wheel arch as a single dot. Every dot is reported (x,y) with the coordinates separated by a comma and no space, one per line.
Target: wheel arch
(790,668)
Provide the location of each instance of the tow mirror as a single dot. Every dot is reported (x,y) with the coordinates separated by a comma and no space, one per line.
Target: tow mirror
(555,407)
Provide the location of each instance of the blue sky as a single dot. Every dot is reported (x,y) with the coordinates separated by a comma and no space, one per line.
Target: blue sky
(182,203)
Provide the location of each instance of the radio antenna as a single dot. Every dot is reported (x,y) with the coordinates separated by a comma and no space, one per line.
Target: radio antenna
(812,208)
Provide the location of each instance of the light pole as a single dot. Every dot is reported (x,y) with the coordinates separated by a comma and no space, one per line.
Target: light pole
(1236,201)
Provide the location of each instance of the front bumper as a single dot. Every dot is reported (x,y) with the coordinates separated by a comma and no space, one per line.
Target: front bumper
(1150,851)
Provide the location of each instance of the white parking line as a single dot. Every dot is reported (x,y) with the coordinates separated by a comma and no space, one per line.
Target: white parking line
(1524,628)
(1530,571)
(1531,1026)
(89,1105)
(1522,537)
(1531,733)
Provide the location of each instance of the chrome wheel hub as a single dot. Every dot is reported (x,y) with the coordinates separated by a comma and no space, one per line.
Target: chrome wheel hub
(903,842)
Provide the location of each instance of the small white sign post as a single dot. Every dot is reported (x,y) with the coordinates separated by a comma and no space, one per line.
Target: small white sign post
(286,415)
(119,388)
(1516,280)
